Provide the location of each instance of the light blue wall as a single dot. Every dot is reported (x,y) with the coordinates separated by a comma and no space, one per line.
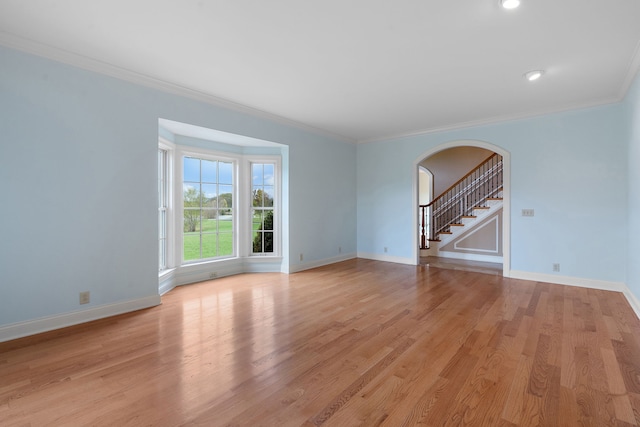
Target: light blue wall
(78,185)
(632,102)
(78,189)
(570,167)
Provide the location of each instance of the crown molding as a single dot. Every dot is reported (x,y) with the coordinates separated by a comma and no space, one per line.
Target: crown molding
(91,64)
(493,120)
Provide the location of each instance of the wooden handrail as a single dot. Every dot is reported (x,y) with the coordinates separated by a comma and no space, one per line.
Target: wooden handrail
(460,180)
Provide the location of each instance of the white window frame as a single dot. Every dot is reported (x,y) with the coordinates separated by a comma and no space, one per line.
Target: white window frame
(169,149)
(181,153)
(249,160)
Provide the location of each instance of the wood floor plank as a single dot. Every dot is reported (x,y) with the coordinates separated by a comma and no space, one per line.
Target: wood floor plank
(359,342)
(634,399)
(522,407)
(568,403)
(629,362)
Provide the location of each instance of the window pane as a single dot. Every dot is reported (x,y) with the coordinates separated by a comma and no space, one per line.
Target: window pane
(191,220)
(226,243)
(257,242)
(257,175)
(268,196)
(269,171)
(209,220)
(257,219)
(225,173)
(160,178)
(208,208)
(191,172)
(209,171)
(191,246)
(268,241)
(256,197)
(226,196)
(267,224)
(225,223)
(209,195)
(162,224)
(209,245)
(191,195)
(225,203)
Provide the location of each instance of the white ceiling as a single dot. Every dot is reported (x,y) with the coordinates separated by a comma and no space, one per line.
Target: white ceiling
(359,69)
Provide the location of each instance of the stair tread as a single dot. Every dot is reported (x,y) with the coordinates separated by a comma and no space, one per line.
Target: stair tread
(469,216)
(456,225)
(481,207)
(495,198)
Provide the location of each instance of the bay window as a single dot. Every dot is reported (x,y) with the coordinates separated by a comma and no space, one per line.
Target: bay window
(226,206)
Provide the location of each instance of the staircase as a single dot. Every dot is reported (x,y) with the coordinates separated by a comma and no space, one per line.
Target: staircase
(468,222)
(475,197)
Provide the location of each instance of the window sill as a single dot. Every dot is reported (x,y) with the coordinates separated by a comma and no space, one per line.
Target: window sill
(268,257)
(209,262)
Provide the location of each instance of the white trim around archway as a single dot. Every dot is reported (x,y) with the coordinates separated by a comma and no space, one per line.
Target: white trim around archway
(506,186)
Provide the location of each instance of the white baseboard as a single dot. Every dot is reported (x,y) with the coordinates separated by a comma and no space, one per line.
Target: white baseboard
(568,280)
(314,264)
(582,283)
(388,258)
(194,273)
(188,274)
(258,264)
(166,281)
(633,300)
(45,324)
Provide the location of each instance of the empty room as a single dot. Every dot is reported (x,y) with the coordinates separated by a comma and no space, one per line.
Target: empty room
(285,213)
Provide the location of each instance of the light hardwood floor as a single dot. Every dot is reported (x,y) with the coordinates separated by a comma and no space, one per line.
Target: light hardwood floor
(356,343)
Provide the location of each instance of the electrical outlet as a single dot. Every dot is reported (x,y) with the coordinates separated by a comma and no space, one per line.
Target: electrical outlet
(385,249)
(85,297)
(213,275)
(556,267)
(528,212)
(301,257)
(339,249)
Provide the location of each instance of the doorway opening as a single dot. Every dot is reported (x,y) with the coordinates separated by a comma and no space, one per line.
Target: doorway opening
(475,240)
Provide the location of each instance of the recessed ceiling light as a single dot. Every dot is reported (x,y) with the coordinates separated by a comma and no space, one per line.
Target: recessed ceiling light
(533,75)
(510,4)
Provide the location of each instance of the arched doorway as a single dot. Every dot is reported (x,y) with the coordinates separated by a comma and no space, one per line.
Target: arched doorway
(506,218)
